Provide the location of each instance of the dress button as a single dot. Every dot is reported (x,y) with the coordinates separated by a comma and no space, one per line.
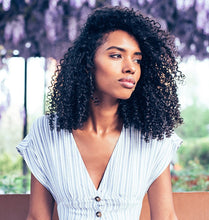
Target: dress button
(97,198)
(99,214)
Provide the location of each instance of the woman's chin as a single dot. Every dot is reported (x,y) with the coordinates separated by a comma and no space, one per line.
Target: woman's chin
(125,97)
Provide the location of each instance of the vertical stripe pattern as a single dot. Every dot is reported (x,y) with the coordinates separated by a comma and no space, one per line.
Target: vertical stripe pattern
(55,161)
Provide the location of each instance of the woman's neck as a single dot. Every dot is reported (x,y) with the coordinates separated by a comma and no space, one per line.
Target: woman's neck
(103,118)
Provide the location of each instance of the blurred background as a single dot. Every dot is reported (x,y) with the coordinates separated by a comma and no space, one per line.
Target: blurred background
(34,34)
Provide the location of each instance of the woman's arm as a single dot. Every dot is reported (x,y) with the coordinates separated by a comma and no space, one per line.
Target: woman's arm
(160,198)
(41,202)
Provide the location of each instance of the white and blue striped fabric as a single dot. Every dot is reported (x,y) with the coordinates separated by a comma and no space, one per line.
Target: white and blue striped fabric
(55,161)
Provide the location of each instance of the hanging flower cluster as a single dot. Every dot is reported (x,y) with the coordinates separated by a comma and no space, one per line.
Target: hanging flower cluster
(47,27)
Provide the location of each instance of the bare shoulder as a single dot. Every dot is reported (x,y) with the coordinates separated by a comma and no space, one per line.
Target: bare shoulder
(160,197)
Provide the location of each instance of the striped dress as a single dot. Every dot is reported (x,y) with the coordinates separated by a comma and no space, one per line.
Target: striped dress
(55,161)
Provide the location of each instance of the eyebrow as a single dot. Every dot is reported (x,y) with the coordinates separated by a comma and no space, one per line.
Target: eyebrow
(122,49)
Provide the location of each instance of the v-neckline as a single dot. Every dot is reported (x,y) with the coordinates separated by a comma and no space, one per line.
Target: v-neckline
(108,164)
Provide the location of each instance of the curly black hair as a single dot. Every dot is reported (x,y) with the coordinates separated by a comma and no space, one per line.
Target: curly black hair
(153,107)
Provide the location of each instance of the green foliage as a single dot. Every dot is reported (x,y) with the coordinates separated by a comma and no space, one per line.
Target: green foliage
(14,184)
(10,136)
(11,178)
(194,149)
(9,165)
(196,122)
(192,178)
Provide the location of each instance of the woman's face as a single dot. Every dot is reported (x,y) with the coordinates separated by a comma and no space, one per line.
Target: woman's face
(117,66)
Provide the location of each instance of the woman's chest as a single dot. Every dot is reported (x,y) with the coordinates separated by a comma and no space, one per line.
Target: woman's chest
(95,153)
(120,171)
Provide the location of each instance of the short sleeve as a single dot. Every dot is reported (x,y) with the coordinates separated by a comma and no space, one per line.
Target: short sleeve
(163,154)
(31,151)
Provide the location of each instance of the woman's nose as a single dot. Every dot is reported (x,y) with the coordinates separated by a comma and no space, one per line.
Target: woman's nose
(129,68)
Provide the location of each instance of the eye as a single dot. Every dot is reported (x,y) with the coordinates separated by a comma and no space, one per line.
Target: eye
(116,56)
(138,61)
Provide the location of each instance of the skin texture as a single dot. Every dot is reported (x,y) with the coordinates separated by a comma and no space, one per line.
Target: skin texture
(160,198)
(118,57)
(41,202)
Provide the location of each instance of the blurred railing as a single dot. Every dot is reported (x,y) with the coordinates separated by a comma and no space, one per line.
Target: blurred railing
(188,206)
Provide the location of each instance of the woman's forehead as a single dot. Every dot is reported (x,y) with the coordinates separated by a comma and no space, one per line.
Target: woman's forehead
(120,39)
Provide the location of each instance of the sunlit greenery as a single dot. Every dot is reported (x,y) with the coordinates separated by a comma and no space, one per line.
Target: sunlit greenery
(196,122)
(11,178)
(194,177)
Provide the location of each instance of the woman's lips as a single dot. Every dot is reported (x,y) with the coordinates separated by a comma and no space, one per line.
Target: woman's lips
(127,82)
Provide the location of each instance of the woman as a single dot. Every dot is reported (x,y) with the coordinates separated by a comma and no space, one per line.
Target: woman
(108,137)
